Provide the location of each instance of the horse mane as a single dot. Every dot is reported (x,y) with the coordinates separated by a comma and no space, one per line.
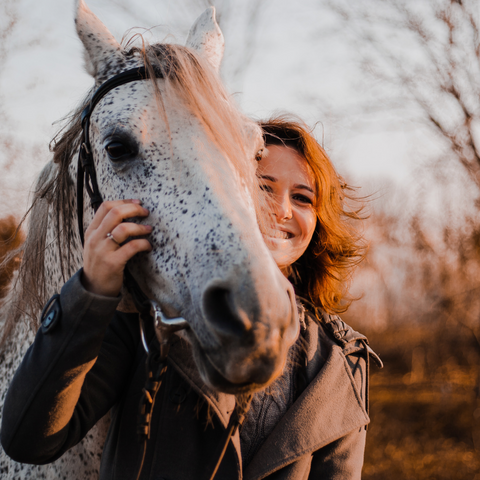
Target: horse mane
(27,291)
(193,81)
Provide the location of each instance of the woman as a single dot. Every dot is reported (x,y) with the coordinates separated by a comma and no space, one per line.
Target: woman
(87,358)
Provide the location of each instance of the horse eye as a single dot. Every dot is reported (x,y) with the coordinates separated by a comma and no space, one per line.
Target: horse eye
(259,155)
(117,150)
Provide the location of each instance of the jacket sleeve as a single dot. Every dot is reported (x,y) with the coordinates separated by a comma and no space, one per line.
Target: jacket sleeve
(69,378)
(341,459)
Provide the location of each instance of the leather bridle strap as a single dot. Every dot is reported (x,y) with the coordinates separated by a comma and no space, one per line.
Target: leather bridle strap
(86,174)
(87,177)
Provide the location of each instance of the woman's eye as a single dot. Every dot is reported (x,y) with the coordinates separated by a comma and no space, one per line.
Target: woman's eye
(259,155)
(117,151)
(303,199)
(266,188)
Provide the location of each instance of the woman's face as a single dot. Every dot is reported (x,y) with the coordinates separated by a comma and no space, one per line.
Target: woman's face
(284,174)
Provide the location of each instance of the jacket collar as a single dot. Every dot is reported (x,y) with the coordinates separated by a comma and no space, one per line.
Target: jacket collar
(328,409)
(330,406)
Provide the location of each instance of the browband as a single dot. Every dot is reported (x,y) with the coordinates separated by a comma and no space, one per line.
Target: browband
(133,75)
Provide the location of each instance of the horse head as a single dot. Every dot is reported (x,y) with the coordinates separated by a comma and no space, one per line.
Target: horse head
(180,145)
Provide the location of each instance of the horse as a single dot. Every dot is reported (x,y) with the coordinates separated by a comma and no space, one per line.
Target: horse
(180,145)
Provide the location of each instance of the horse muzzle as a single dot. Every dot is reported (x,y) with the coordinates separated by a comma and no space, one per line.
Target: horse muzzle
(252,335)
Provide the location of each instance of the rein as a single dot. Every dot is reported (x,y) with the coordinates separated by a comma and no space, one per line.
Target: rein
(151,316)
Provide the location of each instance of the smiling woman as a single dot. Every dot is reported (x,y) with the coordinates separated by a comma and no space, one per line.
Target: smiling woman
(289,182)
(308,423)
(312,236)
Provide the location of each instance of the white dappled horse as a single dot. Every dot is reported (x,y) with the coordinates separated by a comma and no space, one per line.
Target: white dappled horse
(181,146)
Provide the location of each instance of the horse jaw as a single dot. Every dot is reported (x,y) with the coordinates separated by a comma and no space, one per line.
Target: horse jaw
(207,39)
(102,51)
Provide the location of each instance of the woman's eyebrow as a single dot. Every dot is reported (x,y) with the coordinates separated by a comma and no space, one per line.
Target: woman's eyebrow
(268,177)
(304,187)
(298,185)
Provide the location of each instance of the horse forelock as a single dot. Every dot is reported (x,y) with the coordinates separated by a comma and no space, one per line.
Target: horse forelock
(192,79)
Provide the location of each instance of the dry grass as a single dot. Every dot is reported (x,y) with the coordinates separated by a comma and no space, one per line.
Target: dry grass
(425,405)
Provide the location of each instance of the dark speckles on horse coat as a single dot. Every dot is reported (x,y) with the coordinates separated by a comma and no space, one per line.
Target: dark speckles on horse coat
(206,241)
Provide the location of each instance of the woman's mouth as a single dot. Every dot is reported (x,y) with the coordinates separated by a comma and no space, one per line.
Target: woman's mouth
(280,234)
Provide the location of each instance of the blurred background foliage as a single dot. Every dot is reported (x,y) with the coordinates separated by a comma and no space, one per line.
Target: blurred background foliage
(423,269)
(416,71)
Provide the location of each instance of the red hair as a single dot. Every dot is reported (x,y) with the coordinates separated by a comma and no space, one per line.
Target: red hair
(321,275)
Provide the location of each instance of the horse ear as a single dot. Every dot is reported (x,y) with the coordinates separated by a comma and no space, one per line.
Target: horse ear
(100,45)
(206,37)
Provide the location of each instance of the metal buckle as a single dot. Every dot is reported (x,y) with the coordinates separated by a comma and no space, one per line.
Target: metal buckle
(164,328)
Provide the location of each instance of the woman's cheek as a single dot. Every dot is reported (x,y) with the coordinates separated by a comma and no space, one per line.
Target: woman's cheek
(310,221)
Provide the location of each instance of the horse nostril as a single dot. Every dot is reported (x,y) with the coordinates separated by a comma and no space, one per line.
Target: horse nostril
(222,314)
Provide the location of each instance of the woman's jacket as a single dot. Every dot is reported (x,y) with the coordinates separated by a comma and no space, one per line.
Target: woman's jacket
(87,358)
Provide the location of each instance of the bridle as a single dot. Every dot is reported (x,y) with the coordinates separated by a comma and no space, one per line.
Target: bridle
(87,176)
(152,319)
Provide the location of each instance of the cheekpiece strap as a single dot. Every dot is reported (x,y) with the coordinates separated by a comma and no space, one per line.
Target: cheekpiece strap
(86,174)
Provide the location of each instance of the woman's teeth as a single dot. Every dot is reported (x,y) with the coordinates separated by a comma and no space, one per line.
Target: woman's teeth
(280,234)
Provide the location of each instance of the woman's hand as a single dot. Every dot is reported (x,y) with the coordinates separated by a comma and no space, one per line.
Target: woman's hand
(104,258)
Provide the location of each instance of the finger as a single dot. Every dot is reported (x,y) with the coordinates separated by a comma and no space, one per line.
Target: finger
(117,215)
(130,249)
(105,207)
(128,229)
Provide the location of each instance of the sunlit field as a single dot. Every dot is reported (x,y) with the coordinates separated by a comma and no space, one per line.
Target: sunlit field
(424,405)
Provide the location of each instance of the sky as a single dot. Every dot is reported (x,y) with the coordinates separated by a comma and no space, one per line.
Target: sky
(295,65)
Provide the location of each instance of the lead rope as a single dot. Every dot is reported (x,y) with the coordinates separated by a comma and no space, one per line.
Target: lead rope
(236,421)
(156,367)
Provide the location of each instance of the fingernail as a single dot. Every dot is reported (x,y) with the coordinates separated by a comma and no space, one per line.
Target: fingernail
(137,201)
(149,227)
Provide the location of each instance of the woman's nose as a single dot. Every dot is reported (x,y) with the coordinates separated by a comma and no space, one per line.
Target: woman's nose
(283,208)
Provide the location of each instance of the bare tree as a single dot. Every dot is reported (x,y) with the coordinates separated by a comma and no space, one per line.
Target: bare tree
(13,151)
(423,59)
(8,22)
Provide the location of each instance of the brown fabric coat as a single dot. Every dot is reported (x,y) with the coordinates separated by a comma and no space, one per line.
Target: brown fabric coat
(83,365)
